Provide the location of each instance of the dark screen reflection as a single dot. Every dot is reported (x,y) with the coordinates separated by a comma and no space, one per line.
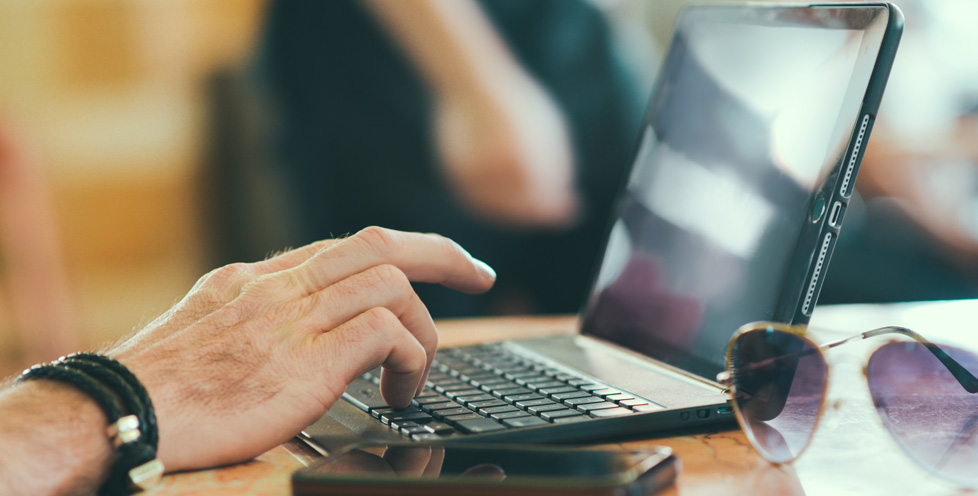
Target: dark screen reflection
(746,124)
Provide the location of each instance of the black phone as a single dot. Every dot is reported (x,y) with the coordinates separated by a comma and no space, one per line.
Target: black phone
(477,470)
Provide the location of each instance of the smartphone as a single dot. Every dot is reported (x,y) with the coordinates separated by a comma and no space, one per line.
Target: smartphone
(475,470)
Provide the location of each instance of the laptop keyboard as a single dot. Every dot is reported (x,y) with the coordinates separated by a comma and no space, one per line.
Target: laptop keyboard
(488,388)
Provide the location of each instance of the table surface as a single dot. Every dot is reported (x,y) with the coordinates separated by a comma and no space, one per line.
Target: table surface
(851,452)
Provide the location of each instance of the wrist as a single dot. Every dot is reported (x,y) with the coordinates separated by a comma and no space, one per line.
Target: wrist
(55,440)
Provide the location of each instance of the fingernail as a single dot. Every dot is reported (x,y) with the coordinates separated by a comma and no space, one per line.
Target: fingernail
(484,267)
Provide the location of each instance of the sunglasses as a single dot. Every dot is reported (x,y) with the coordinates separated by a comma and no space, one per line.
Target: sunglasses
(924,393)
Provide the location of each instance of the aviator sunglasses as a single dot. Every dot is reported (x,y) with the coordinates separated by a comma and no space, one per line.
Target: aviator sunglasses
(924,393)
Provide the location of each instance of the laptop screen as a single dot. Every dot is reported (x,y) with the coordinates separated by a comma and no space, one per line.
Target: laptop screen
(752,115)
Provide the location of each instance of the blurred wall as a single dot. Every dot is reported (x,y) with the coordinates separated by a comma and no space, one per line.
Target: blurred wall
(110,92)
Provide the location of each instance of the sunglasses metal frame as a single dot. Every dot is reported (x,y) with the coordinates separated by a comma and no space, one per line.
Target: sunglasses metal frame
(966,379)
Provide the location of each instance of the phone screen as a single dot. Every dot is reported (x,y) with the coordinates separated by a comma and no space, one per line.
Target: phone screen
(467,466)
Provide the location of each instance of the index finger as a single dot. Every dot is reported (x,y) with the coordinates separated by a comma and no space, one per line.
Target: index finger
(422,257)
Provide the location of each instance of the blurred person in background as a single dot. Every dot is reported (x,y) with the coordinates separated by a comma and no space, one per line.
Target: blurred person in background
(503,124)
(33,283)
(912,229)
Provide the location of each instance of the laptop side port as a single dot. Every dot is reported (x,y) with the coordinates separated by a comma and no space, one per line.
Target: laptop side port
(835,217)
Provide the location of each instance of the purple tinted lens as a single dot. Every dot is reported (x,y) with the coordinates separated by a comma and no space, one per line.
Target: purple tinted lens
(779,382)
(926,409)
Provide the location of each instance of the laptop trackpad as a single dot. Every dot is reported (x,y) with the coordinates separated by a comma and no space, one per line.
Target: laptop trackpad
(624,371)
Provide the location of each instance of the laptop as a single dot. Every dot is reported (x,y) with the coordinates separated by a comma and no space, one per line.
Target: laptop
(743,168)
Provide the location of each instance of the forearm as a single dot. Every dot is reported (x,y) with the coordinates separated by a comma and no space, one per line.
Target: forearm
(54,441)
(29,247)
(450,42)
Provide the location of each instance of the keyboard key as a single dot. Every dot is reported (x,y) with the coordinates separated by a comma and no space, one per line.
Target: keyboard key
(415,416)
(633,402)
(555,414)
(499,393)
(528,403)
(486,404)
(544,384)
(454,419)
(482,375)
(556,390)
(610,412)
(479,381)
(523,397)
(506,369)
(569,395)
(404,411)
(538,409)
(647,408)
(478,425)
(439,428)
(396,423)
(409,431)
(605,392)
(509,415)
(618,398)
(469,371)
(442,414)
(498,409)
(488,386)
(434,400)
(439,406)
(579,382)
(592,387)
(521,373)
(379,412)
(427,394)
(523,381)
(444,381)
(585,400)
(364,395)
(589,407)
(441,389)
(470,391)
(465,400)
(386,415)
(526,421)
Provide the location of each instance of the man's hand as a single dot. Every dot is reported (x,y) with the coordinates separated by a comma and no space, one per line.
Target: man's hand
(256,352)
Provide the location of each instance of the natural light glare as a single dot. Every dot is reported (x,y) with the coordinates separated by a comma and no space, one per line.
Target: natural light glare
(711,202)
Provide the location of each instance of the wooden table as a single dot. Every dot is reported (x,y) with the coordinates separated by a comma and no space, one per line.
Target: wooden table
(851,453)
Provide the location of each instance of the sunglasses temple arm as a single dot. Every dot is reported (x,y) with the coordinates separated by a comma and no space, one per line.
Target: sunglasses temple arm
(967,380)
